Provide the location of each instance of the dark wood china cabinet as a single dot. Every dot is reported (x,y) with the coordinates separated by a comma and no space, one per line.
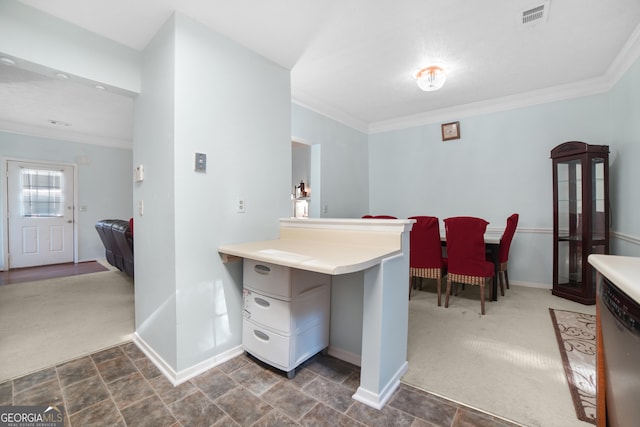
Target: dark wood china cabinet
(580,217)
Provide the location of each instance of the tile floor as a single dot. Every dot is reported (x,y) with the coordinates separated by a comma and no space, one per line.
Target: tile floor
(120,386)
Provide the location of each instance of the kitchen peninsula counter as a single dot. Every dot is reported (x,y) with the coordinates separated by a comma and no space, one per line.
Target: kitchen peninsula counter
(379,248)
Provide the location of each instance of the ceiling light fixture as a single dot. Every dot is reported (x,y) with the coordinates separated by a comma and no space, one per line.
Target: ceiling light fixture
(99,87)
(430,78)
(7,61)
(62,76)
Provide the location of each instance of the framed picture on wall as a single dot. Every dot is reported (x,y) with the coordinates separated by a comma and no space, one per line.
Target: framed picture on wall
(450,131)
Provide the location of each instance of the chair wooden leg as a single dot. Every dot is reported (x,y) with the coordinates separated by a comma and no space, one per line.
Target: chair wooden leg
(446,298)
(502,280)
(506,278)
(482,299)
(439,284)
(410,283)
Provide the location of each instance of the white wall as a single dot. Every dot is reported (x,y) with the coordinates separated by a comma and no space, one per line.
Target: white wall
(104,184)
(200,94)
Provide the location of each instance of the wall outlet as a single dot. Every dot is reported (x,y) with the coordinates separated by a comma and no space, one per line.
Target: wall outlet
(240,206)
(325,208)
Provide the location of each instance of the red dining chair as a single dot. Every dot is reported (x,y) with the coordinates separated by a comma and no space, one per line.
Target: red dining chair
(503,254)
(467,262)
(425,252)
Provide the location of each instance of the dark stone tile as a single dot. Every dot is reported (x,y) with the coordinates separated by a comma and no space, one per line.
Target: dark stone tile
(28,381)
(254,378)
(321,414)
(425,406)
(44,393)
(329,367)
(289,400)
(330,393)
(233,364)
(302,378)
(108,354)
(227,421)
(275,418)
(132,350)
(116,368)
(170,393)
(103,413)
(214,383)
(387,416)
(243,406)
(472,418)
(6,393)
(353,381)
(149,412)
(147,368)
(84,393)
(128,390)
(196,410)
(76,370)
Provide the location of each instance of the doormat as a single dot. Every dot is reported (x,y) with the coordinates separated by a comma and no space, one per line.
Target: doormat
(576,335)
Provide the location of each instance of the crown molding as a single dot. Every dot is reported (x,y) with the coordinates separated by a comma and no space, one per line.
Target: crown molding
(302,99)
(65,135)
(627,56)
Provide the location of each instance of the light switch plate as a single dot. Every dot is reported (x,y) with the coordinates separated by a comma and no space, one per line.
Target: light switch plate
(201,162)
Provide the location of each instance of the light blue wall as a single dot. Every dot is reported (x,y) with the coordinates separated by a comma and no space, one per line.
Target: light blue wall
(344,171)
(501,165)
(624,108)
(104,184)
(154,255)
(200,94)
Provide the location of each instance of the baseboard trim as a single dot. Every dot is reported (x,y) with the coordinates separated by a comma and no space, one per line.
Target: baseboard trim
(378,400)
(347,356)
(531,285)
(177,378)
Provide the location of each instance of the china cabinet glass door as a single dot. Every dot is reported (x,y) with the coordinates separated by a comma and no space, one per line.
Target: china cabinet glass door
(580,179)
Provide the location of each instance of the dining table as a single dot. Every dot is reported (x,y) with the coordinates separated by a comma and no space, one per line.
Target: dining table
(492,240)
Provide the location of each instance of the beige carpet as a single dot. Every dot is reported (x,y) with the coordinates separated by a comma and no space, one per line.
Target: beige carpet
(47,322)
(506,362)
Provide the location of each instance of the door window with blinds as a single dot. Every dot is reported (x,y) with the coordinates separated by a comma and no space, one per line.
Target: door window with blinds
(42,193)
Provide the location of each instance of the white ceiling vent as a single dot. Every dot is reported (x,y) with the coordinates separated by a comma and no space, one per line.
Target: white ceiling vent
(536,14)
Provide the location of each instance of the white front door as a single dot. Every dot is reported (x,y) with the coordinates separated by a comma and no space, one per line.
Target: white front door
(40,203)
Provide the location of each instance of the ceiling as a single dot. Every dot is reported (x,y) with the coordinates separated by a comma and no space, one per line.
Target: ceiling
(352,60)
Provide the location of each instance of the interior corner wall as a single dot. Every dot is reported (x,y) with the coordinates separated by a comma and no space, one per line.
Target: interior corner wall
(154,228)
(200,95)
(241,122)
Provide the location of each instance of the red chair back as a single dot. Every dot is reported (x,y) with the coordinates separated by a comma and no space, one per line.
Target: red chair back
(507,237)
(425,246)
(465,246)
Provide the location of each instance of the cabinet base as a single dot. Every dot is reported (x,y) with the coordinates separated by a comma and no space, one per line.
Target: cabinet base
(574,297)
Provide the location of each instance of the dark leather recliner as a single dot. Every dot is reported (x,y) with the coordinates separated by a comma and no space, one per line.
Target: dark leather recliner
(117,239)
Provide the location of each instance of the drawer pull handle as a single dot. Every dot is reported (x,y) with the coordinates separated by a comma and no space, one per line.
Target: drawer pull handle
(261,269)
(261,335)
(262,302)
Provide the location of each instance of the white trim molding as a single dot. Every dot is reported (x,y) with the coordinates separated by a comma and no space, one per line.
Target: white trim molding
(177,378)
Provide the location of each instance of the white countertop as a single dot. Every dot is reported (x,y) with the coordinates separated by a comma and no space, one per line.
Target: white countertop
(330,246)
(623,271)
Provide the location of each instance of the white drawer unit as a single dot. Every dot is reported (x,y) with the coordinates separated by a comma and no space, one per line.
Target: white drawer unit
(279,281)
(286,314)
